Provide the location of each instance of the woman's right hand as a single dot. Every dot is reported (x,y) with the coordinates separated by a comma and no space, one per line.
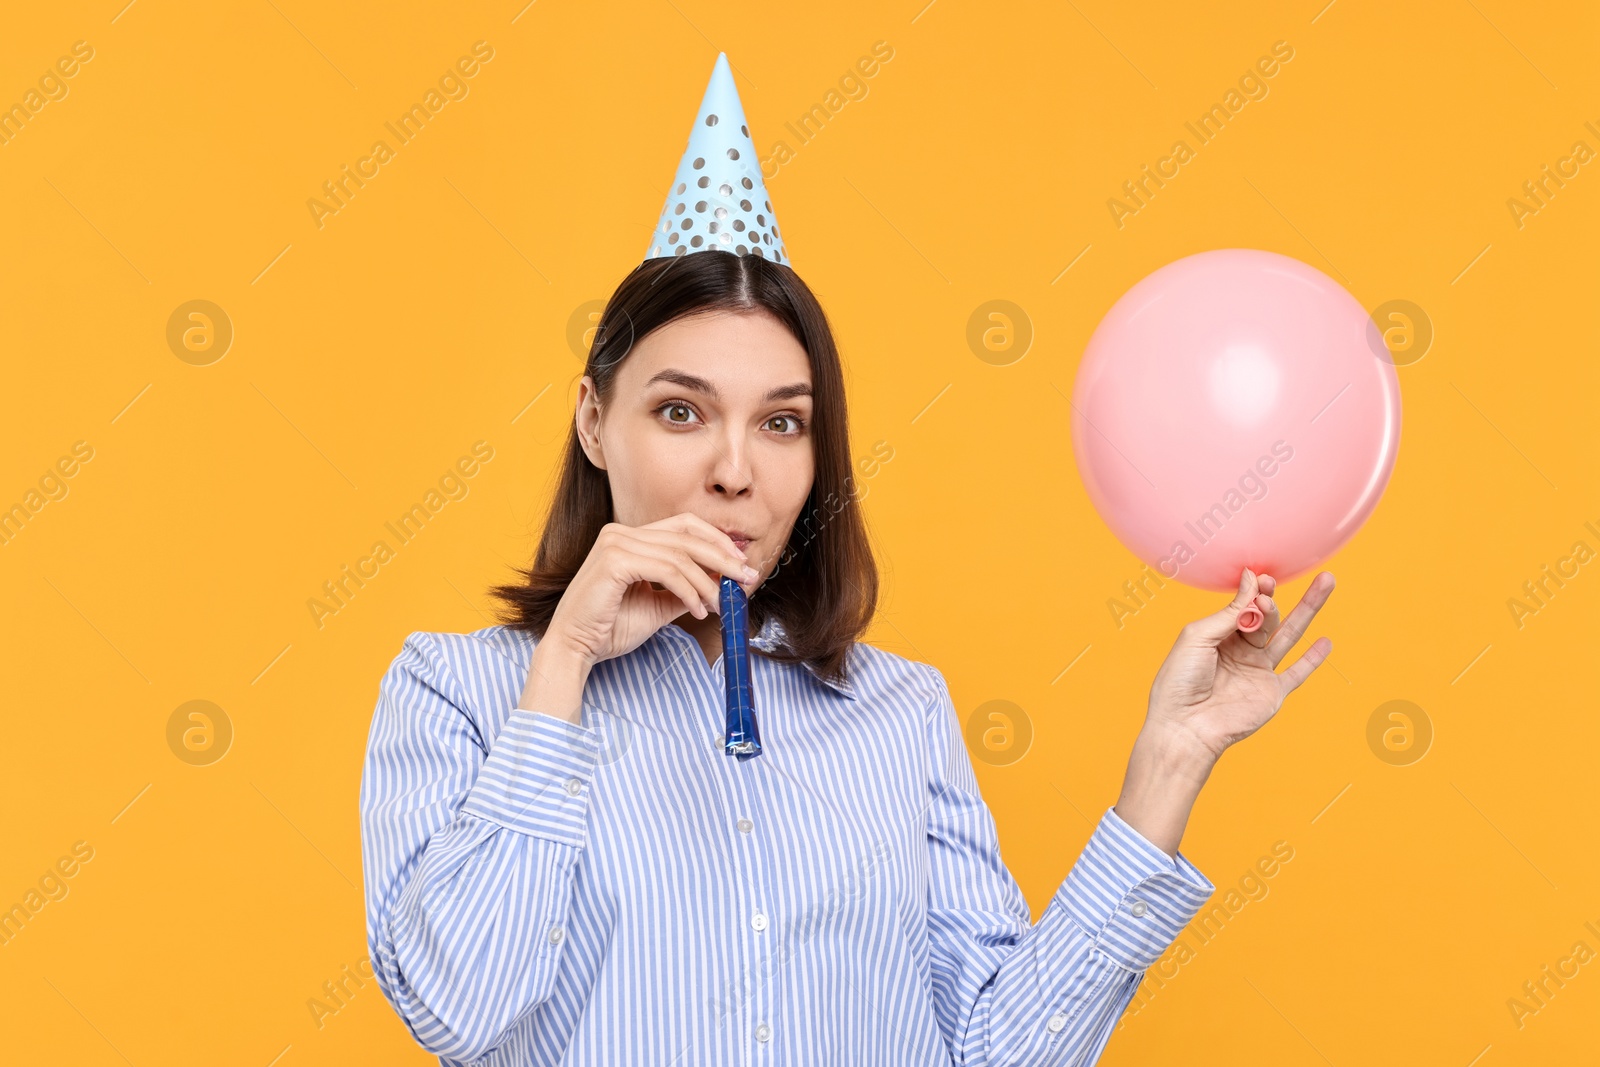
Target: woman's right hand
(611,607)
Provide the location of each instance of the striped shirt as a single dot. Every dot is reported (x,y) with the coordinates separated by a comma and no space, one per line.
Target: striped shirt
(623,891)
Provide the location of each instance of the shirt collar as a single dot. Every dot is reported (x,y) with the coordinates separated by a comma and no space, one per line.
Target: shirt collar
(772,634)
(769,636)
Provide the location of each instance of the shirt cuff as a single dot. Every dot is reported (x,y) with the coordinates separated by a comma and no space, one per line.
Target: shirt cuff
(1129,897)
(536,779)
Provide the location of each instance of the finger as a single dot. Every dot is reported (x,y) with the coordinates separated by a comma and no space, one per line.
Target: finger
(694,524)
(663,575)
(1299,620)
(1214,629)
(665,558)
(712,555)
(689,522)
(1309,661)
(1267,583)
(697,535)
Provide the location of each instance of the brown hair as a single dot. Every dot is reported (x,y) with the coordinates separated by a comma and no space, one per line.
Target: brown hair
(825,590)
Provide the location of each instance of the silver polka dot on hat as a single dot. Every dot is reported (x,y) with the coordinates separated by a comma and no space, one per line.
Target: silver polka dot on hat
(711,204)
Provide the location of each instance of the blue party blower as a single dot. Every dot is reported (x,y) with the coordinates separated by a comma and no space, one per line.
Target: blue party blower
(743,739)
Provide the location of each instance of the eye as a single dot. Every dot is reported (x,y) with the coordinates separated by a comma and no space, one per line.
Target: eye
(795,424)
(672,408)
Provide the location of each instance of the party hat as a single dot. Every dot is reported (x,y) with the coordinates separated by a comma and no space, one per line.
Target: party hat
(718,201)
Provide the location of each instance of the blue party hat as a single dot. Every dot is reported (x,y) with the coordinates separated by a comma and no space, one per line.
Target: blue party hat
(718,201)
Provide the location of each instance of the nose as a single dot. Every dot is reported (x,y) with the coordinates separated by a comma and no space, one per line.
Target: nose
(730,470)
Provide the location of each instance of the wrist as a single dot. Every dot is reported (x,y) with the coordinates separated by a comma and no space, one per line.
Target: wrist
(1166,771)
(556,658)
(1172,754)
(556,680)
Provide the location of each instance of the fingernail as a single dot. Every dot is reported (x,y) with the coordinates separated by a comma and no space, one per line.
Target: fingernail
(751,574)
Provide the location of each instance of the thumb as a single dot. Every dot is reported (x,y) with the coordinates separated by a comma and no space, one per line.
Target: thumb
(1214,629)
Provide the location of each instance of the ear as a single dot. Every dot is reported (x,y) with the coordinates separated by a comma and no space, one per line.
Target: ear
(587,422)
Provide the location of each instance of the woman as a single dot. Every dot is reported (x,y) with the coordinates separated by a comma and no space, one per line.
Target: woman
(563,866)
(562,863)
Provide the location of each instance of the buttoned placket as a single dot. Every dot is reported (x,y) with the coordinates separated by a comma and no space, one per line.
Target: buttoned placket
(747,846)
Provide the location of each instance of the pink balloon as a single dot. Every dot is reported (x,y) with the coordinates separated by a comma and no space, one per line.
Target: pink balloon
(1234,409)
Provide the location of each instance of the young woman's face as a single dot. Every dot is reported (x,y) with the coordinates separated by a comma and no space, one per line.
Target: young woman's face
(710,414)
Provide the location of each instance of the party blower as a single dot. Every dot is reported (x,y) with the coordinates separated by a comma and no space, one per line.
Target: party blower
(743,739)
(1236,408)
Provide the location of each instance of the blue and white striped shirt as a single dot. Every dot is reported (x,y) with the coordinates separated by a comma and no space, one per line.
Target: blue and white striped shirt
(622,891)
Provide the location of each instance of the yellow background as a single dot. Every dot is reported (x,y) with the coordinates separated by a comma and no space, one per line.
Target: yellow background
(434,308)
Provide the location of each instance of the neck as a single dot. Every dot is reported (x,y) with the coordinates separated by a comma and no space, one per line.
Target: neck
(706,631)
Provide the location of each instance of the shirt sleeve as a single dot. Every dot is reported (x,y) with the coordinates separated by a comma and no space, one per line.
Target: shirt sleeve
(468,854)
(1009,991)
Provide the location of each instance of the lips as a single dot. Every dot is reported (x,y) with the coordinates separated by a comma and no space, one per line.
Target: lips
(739,537)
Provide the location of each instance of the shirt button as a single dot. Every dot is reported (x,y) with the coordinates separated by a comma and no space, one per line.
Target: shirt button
(556,934)
(759,921)
(1057,1021)
(1138,908)
(745,825)
(763,1032)
(574,786)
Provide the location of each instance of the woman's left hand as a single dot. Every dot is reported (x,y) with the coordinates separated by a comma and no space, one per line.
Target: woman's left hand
(1218,685)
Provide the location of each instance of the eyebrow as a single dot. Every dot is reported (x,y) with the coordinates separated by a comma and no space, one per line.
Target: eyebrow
(700,385)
